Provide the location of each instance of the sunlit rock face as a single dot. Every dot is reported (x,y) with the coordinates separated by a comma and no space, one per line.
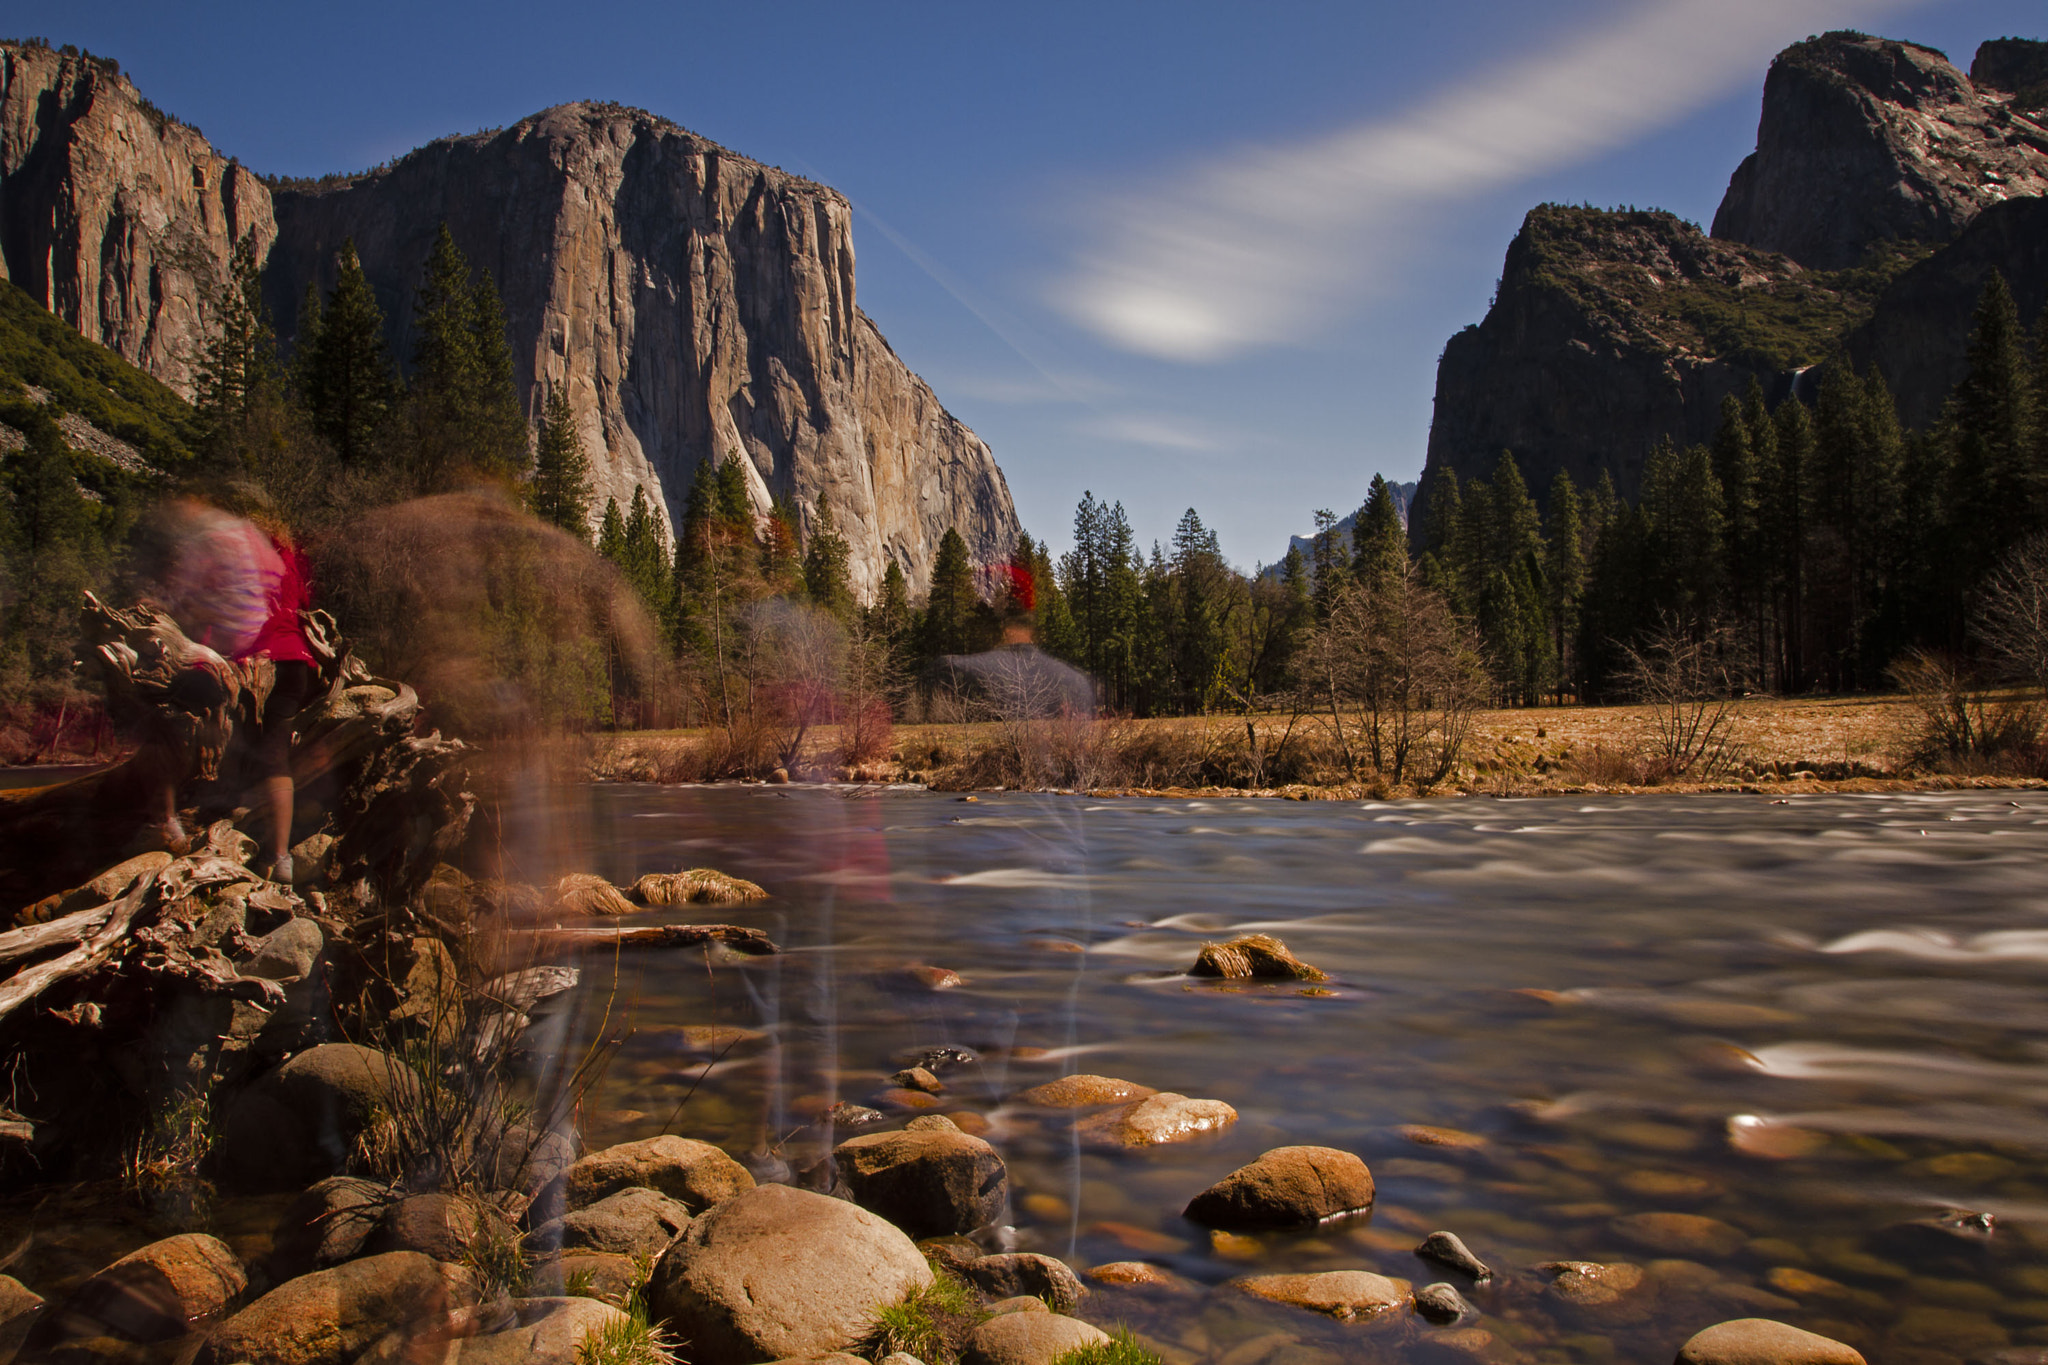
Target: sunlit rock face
(1866,140)
(116,218)
(692,303)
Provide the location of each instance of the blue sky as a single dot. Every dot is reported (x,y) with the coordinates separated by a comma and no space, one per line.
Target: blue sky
(1195,254)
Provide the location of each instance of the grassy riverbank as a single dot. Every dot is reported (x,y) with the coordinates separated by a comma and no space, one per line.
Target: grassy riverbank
(1863,743)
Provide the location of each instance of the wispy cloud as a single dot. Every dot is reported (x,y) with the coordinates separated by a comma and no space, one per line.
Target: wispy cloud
(1267,245)
(1145,429)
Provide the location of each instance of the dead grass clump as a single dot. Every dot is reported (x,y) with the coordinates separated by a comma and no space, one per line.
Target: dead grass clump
(1253,955)
(698,885)
(1600,766)
(583,893)
(1957,724)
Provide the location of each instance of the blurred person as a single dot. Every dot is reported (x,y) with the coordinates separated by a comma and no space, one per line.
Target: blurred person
(237,587)
(1017,680)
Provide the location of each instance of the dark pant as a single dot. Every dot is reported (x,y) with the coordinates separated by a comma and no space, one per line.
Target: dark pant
(288,696)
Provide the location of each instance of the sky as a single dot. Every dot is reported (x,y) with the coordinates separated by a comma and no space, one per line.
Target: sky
(1202,254)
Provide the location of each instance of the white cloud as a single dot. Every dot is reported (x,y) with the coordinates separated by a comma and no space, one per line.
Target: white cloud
(1270,242)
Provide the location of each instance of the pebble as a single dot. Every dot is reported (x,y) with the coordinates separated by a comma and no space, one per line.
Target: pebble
(1447,1249)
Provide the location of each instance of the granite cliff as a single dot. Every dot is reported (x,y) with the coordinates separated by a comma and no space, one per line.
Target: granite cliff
(692,302)
(1885,187)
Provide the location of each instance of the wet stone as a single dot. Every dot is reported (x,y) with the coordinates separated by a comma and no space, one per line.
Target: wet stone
(1083,1091)
(1165,1117)
(1342,1294)
(1011,1274)
(1424,1135)
(1441,1303)
(1286,1187)
(1253,956)
(1029,1339)
(917,1078)
(1448,1249)
(1760,1341)
(1138,1273)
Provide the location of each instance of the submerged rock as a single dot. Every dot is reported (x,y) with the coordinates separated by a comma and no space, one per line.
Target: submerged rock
(20,1309)
(1448,1249)
(917,1078)
(1081,1092)
(1341,1294)
(1253,955)
(779,1272)
(928,1183)
(1029,1339)
(1286,1187)
(1679,1234)
(1606,1292)
(695,885)
(1760,1341)
(694,1174)
(1160,1118)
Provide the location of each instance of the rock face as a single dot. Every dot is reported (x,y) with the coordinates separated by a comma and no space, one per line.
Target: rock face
(691,303)
(779,1273)
(1866,140)
(1613,331)
(114,217)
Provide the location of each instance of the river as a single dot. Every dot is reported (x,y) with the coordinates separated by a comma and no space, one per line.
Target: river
(1807,1021)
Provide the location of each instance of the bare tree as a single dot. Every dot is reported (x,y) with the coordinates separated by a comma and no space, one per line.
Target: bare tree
(2013,619)
(1692,680)
(1397,677)
(792,659)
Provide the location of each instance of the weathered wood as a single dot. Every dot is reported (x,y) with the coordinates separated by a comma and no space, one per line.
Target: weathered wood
(736,937)
(18,945)
(26,984)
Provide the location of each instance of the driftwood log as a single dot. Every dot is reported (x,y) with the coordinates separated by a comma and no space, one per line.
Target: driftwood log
(740,939)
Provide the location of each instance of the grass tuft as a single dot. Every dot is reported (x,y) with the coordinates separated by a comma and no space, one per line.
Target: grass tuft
(1122,1348)
(931,1323)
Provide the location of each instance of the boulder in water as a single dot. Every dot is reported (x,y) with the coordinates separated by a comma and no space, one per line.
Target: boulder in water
(158,1292)
(928,1183)
(1160,1118)
(1286,1187)
(1343,1294)
(1253,955)
(1082,1092)
(1449,1249)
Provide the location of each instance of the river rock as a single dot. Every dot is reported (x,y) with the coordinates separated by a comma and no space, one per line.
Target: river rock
(1442,1303)
(1029,1339)
(632,1222)
(1253,955)
(932,1123)
(917,1078)
(332,1316)
(591,1274)
(1082,1092)
(157,1292)
(1020,1303)
(299,1121)
(778,1272)
(1958,1245)
(1342,1294)
(927,1183)
(1760,1341)
(1424,1135)
(545,1331)
(443,1226)
(326,1225)
(1448,1249)
(286,953)
(529,1162)
(1140,1274)
(1679,1234)
(1286,1187)
(1160,1118)
(20,1308)
(1026,1272)
(1612,1291)
(694,1174)
(583,893)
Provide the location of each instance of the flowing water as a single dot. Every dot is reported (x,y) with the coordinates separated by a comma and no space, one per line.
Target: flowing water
(1759,1049)
(1802,1024)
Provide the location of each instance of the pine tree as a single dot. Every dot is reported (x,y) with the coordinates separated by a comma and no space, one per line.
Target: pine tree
(611,533)
(1198,611)
(463,412)
(239,365)
(1787,496)
(559,491)
(1328,564)
(51,549)
(892,606)
(1379,542)
(1564,573)
(949,608)
(825,565)
(1999,490)
(347,381)
(498,436)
